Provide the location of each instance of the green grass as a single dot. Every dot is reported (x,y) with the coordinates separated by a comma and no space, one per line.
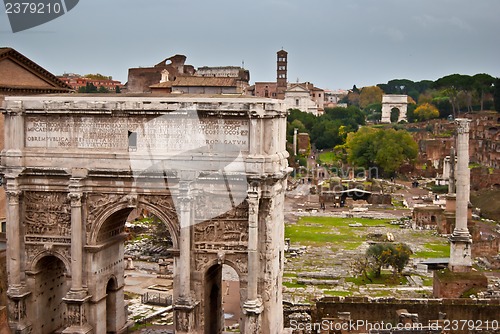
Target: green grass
(385,278)
(327,158)
(314,231)
(293,284)
(288,274)
(433,250)
(337,293)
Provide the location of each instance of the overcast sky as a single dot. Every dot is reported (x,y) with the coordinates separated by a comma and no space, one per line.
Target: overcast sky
(332,43)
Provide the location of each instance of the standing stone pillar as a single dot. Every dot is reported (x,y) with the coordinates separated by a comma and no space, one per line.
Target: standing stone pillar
(184,305)
(253,308)
(77,297)
(461,242)
(17,291)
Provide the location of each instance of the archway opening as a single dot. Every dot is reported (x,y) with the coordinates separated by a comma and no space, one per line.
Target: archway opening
(231,298)
(142,237)
(111,288)
(222,300)
(395,114)
(213,300)
(51,286)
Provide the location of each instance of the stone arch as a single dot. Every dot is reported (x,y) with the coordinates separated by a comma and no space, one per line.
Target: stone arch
(34,263)
(115,208)
(390,102)
(227,262)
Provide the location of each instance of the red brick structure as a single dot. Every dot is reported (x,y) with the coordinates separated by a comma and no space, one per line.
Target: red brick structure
(141,78)
(436,137)
(448,284)
(428,217)
(77,81)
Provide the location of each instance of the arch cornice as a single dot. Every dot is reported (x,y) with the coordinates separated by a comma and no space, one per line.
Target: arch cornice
(32,265)
(160,206)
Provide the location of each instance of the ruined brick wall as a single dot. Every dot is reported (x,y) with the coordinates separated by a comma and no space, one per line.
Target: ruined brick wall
(384,309)
(483,177)
(447,284)
(139,79)
(488,248)
(436,137)
(303,143)
(428,217)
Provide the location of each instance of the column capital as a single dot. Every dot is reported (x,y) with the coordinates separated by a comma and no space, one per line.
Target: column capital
(463,125)
(75,198)
(254,190)
(13,196)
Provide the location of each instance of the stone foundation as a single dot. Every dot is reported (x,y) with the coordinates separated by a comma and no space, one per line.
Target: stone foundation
(448,284)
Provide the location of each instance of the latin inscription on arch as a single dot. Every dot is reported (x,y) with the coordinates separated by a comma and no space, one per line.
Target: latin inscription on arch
(160,133)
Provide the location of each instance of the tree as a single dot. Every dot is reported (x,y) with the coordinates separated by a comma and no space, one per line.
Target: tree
(117,90)
(97,76)
(386,149)
(386,254)
(370,95)
(102,89)
(426,111)
(483,84)
(496,94)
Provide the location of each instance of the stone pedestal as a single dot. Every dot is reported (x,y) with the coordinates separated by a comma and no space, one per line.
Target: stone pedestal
(252,312)
(76,312)
(184,320)
(18,321)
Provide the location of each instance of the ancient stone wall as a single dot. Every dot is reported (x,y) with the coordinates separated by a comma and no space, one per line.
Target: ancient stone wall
(384,309)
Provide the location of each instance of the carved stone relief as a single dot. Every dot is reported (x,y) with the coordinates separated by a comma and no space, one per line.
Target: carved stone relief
(47,213)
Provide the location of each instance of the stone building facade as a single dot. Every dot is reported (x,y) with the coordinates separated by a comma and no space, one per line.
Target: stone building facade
(19,75)
(76,167)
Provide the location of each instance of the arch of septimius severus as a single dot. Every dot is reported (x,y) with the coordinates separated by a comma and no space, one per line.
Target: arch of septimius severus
(212,169)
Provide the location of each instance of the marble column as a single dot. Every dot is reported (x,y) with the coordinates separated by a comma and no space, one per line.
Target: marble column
(461,242)
(77,297)
(252,308)
(17,291)
(184,305)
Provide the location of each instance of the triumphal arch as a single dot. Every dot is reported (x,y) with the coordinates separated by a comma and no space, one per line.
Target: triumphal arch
(391,102)
(212,169)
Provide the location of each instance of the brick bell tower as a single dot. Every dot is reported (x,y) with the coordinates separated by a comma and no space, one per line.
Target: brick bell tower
(281,73)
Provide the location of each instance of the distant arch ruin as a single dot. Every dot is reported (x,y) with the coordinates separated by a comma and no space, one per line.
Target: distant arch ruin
(389,102)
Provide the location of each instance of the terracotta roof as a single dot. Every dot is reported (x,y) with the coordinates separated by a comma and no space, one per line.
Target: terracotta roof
(204,81)
(194,81)
(30,65)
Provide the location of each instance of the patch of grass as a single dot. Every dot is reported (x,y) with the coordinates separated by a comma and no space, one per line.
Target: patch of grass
(315,231)
(427,281)
(337,293)
(289,274)
(327,158)
(433,250)
(385,278)
(293,284)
